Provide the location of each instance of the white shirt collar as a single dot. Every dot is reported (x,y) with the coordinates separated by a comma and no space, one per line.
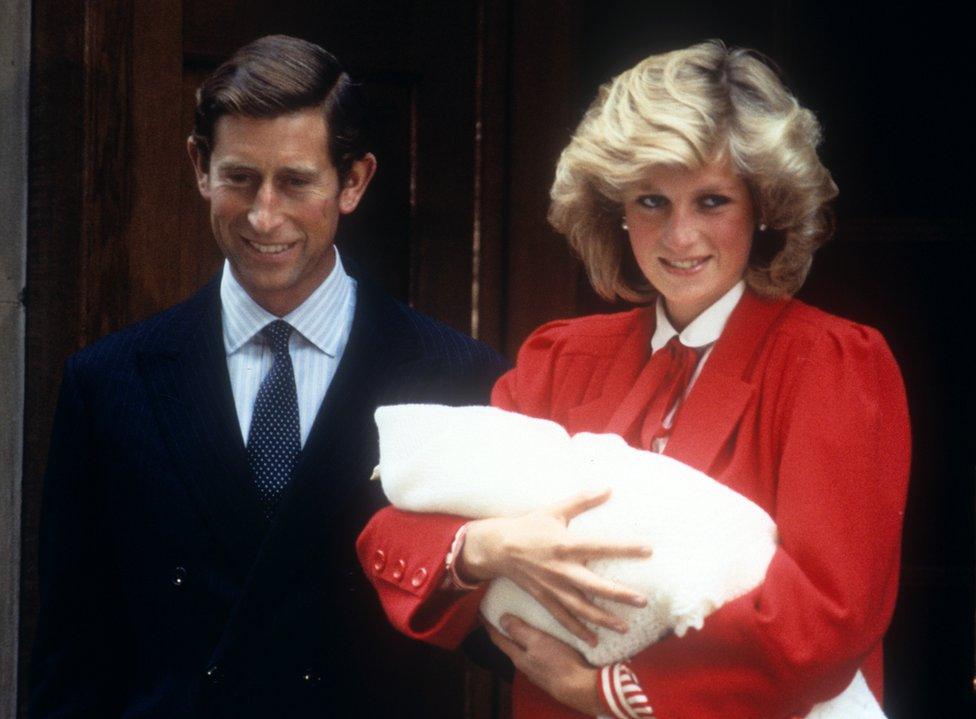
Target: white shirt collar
(704,329)
(318,319)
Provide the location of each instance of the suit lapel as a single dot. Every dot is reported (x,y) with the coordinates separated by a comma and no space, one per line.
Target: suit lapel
(187,380)
(713,408)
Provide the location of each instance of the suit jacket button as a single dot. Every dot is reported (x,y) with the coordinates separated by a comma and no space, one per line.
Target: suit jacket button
(311,676)
(179,577)
(398,569)
(379,561)
(214,674)
(419,577)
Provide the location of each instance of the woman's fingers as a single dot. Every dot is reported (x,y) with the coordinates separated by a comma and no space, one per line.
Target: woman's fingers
(581,608)
(586,549)
(520,631)
(572,608)
(512,649)
(579,503)
(561,614)
(571,569)
(540,555)
(550,664)
(590,584)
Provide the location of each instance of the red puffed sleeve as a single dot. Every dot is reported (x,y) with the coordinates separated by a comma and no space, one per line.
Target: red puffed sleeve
(568,363)
(528,387)
(842,449)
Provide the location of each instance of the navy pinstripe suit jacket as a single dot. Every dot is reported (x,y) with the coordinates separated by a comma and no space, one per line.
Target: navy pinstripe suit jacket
(164,590)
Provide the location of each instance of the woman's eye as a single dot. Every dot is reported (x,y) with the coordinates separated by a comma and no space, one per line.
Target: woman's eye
(652,202)
(712,201)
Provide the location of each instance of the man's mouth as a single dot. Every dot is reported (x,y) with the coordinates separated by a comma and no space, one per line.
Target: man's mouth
(269,249)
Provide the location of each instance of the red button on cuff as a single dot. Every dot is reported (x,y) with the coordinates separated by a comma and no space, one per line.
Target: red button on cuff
(379,561)
(398,569)
(419,577)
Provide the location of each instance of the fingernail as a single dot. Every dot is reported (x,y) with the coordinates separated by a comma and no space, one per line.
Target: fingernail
(621,627)
(592,641)
(647,551)
(638,601)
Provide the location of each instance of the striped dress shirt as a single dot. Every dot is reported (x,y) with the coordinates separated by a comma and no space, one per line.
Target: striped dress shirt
(321,323)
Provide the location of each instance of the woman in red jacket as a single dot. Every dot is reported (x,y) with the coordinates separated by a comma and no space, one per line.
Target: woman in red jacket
(692,183)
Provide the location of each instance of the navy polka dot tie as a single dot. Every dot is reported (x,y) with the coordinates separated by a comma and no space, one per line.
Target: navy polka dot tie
(274,440)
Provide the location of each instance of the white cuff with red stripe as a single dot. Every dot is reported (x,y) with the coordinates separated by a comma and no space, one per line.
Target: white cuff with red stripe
(622,694)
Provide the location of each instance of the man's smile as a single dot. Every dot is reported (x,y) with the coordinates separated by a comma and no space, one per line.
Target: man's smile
(267,248)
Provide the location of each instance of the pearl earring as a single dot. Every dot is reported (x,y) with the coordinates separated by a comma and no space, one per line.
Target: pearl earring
(623,224)
(762,226)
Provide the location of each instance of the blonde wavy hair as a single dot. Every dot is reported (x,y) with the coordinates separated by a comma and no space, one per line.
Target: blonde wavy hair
(688,108)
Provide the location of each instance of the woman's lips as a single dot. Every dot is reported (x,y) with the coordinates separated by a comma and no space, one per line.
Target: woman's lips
(684,267)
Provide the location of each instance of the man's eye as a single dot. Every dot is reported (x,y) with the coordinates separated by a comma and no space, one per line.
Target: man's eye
(297,182)
(712,201)
(652,202)
(238,178)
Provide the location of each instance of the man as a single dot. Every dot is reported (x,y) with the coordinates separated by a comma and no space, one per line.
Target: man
(208,471)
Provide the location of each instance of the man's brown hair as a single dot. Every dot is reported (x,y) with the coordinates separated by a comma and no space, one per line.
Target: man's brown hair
(276,75)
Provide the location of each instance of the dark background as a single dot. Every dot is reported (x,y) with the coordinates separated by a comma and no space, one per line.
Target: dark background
(474,99)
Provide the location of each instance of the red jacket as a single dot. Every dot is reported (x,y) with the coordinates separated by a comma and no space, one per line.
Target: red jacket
(803,413)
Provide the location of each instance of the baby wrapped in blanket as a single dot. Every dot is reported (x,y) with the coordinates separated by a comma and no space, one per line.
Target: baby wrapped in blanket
(710,543)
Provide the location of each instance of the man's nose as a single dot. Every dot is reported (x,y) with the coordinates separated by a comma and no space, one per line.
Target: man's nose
(265,213)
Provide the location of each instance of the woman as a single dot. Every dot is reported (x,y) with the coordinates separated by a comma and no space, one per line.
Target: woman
(692,181)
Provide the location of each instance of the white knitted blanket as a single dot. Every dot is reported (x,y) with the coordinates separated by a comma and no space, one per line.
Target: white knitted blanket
(710,543)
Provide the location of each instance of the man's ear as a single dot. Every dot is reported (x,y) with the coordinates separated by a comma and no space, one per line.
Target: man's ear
(199,168)
(355,182)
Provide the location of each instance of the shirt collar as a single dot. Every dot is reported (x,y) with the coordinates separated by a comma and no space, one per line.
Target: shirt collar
(319,319)
(704,329)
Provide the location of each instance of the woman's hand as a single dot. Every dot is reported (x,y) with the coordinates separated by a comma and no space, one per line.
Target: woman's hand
(538,553)
(550,664)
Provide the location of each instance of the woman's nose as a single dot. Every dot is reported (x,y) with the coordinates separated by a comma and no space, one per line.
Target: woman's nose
(682,230)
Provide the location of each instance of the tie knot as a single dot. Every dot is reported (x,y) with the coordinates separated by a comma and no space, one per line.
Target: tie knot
(277,333)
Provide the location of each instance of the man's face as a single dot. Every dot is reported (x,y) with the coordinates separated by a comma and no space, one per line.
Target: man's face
(275,200)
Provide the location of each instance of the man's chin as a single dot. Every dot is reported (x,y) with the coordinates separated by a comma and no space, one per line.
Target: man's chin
(279,289)
(269,289)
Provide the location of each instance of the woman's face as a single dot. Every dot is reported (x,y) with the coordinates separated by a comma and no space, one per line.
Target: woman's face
(691,232)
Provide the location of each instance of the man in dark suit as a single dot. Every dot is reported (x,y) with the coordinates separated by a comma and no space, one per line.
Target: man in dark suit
(208,471)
